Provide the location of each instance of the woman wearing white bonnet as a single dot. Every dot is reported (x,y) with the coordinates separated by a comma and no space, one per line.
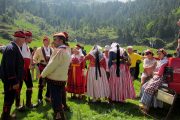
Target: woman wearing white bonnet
(97,83)
(120,82)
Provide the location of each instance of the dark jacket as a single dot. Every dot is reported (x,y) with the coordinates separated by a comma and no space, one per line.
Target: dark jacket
(12,66)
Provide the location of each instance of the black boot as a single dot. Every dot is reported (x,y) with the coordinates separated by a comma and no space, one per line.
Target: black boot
(6,114)
(59,115)
(28,99)
(40,102)
(65,106)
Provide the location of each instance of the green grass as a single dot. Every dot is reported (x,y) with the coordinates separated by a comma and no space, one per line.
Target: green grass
(82,110)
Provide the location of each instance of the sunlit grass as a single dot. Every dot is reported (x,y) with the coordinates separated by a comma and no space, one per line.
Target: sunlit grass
(81,109)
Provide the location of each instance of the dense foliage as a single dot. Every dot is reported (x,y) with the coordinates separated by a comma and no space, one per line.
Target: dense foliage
(141,22)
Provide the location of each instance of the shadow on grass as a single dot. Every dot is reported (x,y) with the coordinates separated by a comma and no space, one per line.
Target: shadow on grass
(130,109)
(161,113)
(104,107)
(77,101)
(40,109)
(43,112)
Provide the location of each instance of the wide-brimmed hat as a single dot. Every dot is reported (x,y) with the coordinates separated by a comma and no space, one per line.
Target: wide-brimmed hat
(61,35)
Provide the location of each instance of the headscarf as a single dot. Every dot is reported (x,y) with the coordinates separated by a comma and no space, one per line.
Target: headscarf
(98,55)
(114,48)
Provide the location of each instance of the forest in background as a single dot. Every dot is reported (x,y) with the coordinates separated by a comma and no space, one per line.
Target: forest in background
(140,22)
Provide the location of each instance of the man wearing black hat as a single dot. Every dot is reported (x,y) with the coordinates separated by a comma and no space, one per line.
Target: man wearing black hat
(12,72)
(56,73)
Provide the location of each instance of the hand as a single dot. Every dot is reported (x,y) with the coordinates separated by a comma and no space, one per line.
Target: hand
(16,87)
(40,76)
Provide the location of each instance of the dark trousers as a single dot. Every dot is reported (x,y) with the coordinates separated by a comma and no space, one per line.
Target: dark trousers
(41,86)
(137,70)
(56,91)
(48,91)
(27,80)
(132,71)
(64,97)
(9,97)
(29,85)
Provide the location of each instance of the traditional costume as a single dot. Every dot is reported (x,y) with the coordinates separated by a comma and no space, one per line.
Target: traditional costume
(41,58)
(56,73)
(120,81)
(97,83)
(76,81)
(12,73)
(106,56)
(26,53)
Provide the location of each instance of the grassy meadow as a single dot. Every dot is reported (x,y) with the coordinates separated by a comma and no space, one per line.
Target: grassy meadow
(82,110)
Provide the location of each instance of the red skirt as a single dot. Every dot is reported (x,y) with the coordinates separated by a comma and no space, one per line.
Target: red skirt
(76,81)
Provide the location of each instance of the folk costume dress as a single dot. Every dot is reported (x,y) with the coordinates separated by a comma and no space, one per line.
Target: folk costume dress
(120,81)
(76,81)
(149,88)
(41,58)
(97,83)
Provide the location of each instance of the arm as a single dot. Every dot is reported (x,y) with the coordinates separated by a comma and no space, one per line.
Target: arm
(160,72)
(139,57)
(10,67)
(53,64)
(87,57)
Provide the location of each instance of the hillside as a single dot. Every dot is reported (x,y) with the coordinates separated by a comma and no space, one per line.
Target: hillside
(132,23)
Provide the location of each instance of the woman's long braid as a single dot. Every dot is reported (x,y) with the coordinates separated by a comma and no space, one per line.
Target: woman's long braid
(97,64)
(118,62)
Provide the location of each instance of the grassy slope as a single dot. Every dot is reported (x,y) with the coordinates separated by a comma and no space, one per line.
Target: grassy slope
(81,110)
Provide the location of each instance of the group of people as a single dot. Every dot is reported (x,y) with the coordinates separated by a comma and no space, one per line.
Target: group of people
(102,74)
(107,75)
(52,63)
(15,69)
